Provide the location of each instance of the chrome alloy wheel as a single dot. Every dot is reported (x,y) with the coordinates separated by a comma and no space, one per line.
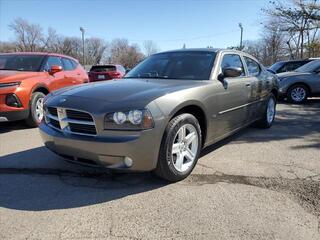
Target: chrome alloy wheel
(185,147)
(271,110)
(298,94)
(39,109)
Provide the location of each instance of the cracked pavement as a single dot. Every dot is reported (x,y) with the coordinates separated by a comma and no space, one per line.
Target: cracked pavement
(258,184)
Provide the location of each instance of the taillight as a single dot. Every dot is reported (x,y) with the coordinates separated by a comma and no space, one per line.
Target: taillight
(114,74)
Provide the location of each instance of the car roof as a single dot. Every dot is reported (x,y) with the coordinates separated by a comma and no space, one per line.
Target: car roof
(40,54)
(301,60)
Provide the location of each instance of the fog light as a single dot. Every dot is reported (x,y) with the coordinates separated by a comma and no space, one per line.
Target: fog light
(128,161)
(13,101)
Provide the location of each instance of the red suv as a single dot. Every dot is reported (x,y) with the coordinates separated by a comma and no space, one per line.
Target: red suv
(106,72)
(25,79)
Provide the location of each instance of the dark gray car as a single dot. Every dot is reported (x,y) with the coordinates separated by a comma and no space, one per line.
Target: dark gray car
(162,113)
(304,82)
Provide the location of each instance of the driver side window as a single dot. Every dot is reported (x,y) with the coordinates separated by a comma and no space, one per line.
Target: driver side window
(52,61)
(232,60)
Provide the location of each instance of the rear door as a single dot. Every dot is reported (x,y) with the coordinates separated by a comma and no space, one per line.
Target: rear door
(255,77)
(233,97)
(71,74)
(57,80)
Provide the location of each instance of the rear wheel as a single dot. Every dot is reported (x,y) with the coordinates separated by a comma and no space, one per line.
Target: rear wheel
(180,148)
(36,109)
(297,94)
(269,113)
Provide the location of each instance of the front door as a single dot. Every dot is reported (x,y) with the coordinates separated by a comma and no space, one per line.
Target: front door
(232,98)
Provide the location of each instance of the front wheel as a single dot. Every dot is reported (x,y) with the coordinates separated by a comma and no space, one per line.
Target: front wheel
(36,109)
(180,148)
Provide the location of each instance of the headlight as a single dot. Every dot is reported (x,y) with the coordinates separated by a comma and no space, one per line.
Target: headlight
(129,120)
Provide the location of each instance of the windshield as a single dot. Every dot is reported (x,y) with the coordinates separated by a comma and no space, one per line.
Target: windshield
(312,66)
(276,66)
(30,63)
(175,65)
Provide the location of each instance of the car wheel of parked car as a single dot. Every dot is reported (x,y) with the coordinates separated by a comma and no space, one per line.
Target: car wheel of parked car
(36,109)
(297,94)
(180,148)
(269,113)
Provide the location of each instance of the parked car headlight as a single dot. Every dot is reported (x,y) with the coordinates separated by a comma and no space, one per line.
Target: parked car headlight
(135,119)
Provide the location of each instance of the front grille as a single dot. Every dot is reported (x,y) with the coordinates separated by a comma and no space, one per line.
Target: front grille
(53,111)
(78,115)
(81,128)
(71,121)
(55,123)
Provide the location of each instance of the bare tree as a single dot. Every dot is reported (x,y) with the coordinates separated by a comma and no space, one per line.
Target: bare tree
(150,47)
(7,47)
(95,48)
(28,36)
(123,53)
(299,19)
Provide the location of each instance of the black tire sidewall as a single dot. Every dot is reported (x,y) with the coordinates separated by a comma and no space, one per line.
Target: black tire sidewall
(293,87)
(33,120)
(168,170)
(263,123)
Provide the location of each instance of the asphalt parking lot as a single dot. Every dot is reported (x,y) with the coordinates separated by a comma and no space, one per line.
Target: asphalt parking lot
(258,184)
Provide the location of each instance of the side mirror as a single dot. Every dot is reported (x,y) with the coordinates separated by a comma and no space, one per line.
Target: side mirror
(232,72)
(54,69)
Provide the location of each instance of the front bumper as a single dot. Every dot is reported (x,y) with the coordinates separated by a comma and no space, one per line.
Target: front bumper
(107,151)
(14,115)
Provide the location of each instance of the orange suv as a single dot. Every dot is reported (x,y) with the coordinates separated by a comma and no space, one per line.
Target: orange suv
(25,79)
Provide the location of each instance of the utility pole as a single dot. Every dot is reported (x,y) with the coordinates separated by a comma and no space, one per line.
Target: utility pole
(83,57)
(241,28)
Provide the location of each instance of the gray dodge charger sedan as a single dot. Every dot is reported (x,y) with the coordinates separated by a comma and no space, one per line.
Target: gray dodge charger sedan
(162,113)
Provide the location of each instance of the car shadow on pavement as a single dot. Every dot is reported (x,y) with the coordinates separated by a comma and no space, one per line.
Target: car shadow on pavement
(60,186)
(39,189)
(11,126)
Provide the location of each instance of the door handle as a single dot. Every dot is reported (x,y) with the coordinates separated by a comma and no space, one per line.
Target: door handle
(248,85)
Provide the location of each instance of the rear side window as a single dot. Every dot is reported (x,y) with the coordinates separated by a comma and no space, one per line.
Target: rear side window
(67,64)
(52,61)
(292,66)
(74,63)
(103,68)
(232,60)
(253,66)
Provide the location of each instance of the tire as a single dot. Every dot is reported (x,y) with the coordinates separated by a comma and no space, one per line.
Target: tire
(169,167)
(268,117)
(33,120)
(298,94)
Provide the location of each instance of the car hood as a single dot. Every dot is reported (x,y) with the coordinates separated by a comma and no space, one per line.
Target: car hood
(127,90)
(14,76)
(291,74)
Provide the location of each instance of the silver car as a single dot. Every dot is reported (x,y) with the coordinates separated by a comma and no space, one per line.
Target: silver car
(162,113)
(300,84)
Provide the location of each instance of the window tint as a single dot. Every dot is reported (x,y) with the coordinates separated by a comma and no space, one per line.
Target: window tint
(74,63)
(184,65)
(52,61)
(67,64)
(103,68)
(253,66)
(232,60)
(19,62)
